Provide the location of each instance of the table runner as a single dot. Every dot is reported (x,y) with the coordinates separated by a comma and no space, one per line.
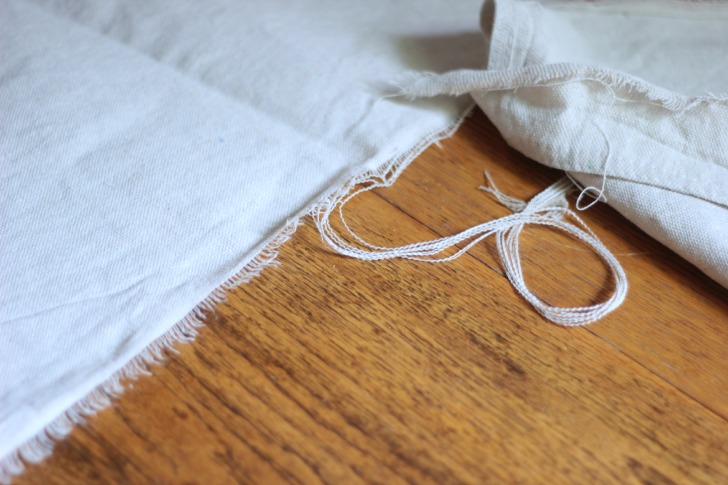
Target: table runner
(154,154)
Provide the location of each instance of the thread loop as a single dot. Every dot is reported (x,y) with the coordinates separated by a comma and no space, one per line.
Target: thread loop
(548,208)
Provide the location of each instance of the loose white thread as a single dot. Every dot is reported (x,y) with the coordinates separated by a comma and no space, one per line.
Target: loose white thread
(597,194)
(549,208)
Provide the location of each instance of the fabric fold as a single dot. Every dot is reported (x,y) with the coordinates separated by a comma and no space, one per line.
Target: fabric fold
(620,95)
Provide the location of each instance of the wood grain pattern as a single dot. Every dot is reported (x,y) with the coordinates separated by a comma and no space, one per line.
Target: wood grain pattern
(332,370)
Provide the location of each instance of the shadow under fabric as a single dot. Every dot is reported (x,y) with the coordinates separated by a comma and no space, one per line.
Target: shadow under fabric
(624,97)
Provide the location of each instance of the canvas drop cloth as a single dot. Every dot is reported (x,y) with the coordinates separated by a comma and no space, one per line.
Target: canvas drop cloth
(154,153)
(628,97)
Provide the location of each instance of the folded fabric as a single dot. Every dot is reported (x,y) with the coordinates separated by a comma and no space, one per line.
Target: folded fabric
(155,153)
(623,96)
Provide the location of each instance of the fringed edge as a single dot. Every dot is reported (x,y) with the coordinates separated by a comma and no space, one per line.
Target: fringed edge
(417,84)
(386,174)
(41,445)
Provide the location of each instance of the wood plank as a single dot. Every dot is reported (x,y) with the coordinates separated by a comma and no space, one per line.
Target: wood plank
(675,319)
(333,370)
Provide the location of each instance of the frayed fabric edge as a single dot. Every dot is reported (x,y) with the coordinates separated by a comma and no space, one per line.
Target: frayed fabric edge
(417,84)
(39,447)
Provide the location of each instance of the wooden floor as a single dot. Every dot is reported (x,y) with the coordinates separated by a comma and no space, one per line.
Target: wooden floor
(334,370)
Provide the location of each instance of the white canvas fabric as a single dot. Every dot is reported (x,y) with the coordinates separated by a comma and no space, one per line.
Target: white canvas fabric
(153,154)
(625,96)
